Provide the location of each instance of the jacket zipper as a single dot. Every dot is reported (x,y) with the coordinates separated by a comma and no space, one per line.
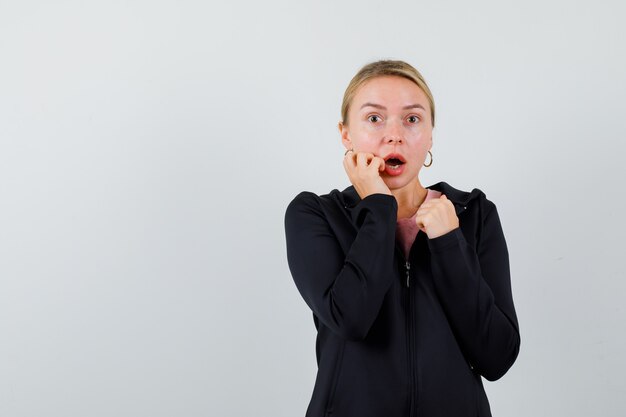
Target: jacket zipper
(407,265)
(413,384)
(411,347)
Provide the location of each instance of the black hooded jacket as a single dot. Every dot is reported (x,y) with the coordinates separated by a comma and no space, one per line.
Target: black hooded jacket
(395,336)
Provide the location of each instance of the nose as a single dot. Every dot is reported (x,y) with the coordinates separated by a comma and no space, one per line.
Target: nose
(391,139)
(393,134)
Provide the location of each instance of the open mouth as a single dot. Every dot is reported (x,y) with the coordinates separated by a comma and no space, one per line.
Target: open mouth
(394,161)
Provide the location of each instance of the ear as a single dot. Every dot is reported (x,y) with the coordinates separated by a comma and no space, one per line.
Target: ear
(345,136)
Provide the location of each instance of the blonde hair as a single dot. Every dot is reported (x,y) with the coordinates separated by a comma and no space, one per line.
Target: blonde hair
(383,68)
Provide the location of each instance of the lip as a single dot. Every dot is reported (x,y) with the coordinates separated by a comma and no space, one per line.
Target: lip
(394,172)
(399,170)
(395,155)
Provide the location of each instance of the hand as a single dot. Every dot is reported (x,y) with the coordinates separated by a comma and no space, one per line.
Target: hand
(363,169)
(437,217)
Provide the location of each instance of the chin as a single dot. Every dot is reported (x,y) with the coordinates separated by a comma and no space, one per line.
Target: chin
(395,183)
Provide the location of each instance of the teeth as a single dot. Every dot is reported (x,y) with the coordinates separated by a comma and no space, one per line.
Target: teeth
(394,166)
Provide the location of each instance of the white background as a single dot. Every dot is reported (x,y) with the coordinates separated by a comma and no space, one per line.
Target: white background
(148,150)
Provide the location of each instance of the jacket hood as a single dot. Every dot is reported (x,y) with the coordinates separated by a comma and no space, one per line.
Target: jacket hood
(459,198)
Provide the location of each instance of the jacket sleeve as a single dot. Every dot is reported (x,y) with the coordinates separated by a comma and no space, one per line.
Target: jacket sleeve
(344,290)
(474,287)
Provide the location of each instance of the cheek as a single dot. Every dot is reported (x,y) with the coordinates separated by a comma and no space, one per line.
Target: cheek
(418,148)
(419,135)
(419,141)
(366,142)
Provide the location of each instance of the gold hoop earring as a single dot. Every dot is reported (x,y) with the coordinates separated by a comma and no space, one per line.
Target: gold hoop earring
(431,160)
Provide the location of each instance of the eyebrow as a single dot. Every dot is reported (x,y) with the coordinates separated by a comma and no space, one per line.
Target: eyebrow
(378,106)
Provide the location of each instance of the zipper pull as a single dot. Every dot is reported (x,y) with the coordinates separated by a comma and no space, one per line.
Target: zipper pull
(407,265)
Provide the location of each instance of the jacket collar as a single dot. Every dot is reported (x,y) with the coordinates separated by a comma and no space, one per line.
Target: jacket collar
(459,198)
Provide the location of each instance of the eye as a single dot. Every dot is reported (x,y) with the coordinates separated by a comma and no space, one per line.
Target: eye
(373,118)
(413,119)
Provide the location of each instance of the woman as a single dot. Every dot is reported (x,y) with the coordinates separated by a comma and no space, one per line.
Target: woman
(409,286)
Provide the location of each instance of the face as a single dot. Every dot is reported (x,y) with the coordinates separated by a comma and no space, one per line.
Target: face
(390,117)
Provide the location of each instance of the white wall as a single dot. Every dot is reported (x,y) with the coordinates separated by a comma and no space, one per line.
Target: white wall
(148,150)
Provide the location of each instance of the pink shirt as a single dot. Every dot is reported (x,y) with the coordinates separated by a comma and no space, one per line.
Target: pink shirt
(407,230)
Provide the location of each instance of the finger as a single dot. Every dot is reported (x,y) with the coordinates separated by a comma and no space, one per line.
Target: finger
(362,159)
(349,164)
(424,210)
(371,160)
(346,165)
(349,159)
(433,202)
(428,203)
(379,163)
(425,205)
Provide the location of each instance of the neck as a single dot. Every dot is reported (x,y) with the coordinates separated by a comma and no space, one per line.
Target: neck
(409,198)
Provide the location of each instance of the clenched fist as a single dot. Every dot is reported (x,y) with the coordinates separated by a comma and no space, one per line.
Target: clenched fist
(437,217)
(363,169)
